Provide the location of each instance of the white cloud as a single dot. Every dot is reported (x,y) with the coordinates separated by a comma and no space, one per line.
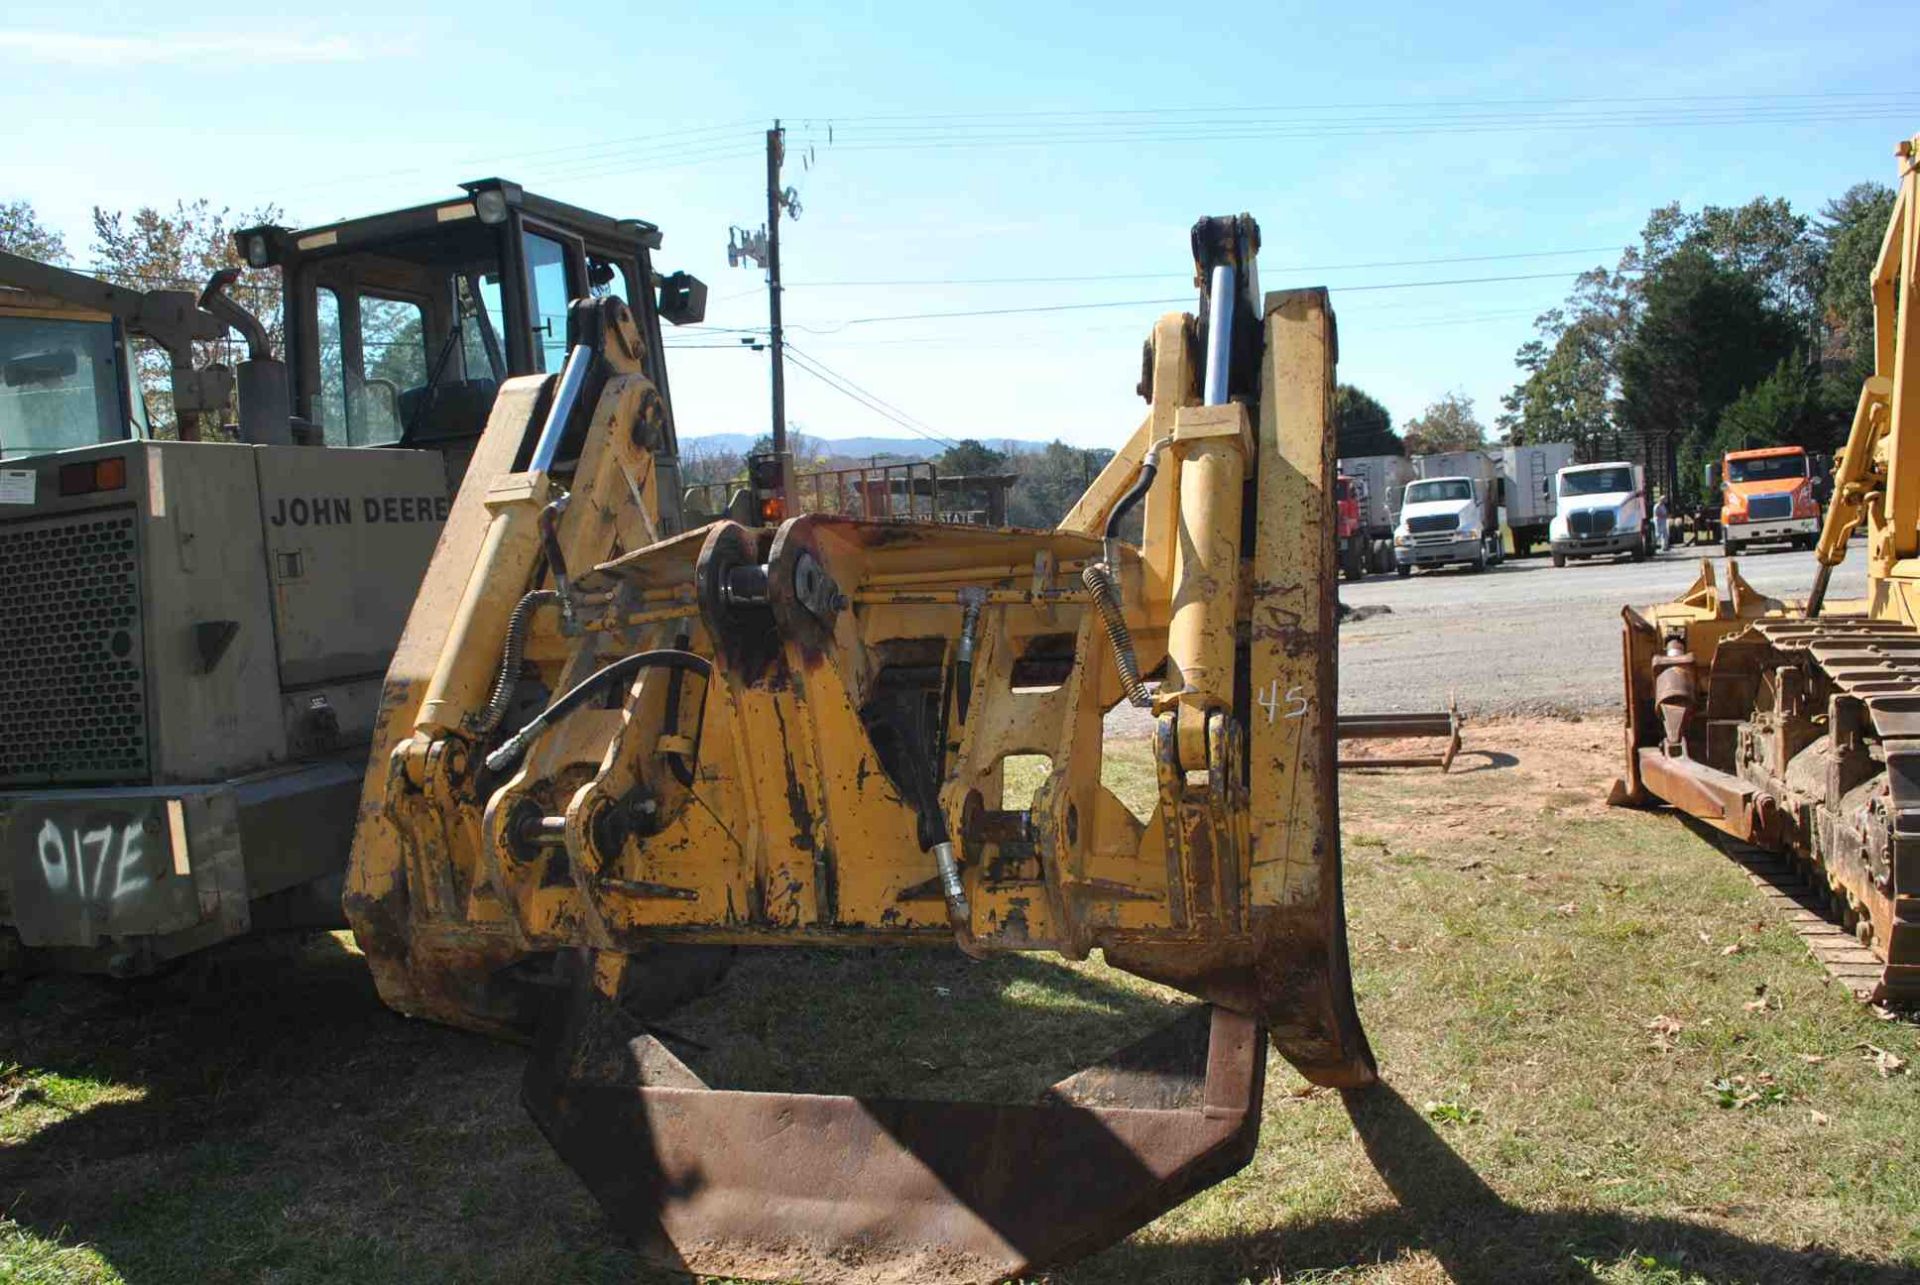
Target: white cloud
(80,49)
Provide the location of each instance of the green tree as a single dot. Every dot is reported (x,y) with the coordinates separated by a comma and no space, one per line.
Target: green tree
(1852,226)
(969,456)
(1447,425)
(1362,426)
(1787,408)
(1571,368)
(151,250)
(1706,333)
(809,454)
(1051,479)
(22,233)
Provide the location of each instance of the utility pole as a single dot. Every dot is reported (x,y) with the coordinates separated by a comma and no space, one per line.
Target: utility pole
(776,138)
(762,249)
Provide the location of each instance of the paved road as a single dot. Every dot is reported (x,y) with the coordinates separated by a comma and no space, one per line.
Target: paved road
(1524,637)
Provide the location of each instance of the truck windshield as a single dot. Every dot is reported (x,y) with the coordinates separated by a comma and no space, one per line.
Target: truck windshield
(1445,488)
(1766,468)
(1597,481)
(59,385)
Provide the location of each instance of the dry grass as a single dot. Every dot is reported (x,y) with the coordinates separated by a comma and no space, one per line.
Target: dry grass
(1547,983)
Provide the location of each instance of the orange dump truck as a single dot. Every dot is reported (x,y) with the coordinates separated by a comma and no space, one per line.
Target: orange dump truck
(1767,495)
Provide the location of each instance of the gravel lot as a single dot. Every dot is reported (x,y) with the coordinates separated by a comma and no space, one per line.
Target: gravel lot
(1524,637)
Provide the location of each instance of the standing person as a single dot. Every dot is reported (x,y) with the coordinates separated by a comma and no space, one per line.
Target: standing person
(1660,522)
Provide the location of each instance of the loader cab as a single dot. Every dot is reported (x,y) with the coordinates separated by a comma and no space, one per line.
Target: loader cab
(401,327)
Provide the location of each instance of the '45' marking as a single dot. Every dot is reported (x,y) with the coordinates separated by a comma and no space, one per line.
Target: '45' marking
(1297,703)
(84,864)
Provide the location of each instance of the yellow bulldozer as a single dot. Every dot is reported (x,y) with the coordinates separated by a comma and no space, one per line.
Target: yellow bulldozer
(605,754)
(1796,726)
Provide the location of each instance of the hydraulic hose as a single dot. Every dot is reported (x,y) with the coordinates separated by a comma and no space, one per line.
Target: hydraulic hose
(511,655)
(1099,579)
(625,667)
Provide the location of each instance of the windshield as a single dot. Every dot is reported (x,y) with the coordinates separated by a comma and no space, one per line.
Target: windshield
(1597,481)
(59,385)
(1446,488)
(1766,468)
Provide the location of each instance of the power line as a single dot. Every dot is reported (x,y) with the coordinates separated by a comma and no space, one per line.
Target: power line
(1141,303)
(872,401)
(1823,95)
(1165,276)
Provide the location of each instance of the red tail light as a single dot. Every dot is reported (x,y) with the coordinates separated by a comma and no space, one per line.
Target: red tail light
(86,478)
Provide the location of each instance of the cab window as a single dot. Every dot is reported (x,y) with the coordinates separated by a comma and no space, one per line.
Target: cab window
(1766,468)
(359,403)
(547,297)
(330,401)
(59,385)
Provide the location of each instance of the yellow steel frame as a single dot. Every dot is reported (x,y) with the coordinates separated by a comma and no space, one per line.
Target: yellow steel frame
(799,824)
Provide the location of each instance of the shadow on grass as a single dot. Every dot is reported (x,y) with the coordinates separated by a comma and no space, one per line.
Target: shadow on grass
(1447,1210)
(292,1128)
(287,1125)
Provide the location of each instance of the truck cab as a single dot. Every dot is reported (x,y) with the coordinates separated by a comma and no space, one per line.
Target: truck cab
(1445,521)
(196,631)
(1767,496)
(1602,513)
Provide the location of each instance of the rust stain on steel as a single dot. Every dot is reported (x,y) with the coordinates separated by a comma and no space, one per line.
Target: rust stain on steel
(797,807)
(786,1186)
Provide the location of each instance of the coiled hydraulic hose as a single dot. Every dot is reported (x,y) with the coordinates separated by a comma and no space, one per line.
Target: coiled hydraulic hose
(1099,579)
(625,667)
(511,655)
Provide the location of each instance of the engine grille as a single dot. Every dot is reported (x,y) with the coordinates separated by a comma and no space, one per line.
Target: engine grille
(73,691)
(1587,522)
(1769,508)
(1433,522)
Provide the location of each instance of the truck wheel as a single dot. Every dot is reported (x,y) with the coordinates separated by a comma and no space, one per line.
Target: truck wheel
(1354,560)
(1383,556)
(1734,548)
(1404,570)
(1639,551)
(1559,559)
(1480,562)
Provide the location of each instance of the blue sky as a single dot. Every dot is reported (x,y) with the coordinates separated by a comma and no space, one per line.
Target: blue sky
(994,141)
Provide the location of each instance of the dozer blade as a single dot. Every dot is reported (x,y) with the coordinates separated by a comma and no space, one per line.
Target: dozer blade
(784,1186)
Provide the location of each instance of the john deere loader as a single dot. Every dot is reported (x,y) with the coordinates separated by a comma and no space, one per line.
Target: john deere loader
(607,750)
(194,632)
(1794,726)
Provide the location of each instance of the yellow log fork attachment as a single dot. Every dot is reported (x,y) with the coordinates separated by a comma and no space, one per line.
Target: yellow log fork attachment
(737,737)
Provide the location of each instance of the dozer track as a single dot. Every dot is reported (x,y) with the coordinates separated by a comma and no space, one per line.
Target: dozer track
(1799,736)
(1862,828)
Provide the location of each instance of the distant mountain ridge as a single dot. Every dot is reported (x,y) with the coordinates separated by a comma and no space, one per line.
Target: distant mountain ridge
(853,447)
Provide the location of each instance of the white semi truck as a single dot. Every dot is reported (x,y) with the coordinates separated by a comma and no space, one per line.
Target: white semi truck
(1603,512)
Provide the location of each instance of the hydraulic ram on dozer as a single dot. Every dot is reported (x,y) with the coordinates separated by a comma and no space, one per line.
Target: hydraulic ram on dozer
(604,753)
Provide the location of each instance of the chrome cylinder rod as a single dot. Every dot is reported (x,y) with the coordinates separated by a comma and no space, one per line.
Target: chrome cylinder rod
(1219,335)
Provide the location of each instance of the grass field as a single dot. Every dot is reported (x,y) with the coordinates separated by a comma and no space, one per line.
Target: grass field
(1603,1063)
